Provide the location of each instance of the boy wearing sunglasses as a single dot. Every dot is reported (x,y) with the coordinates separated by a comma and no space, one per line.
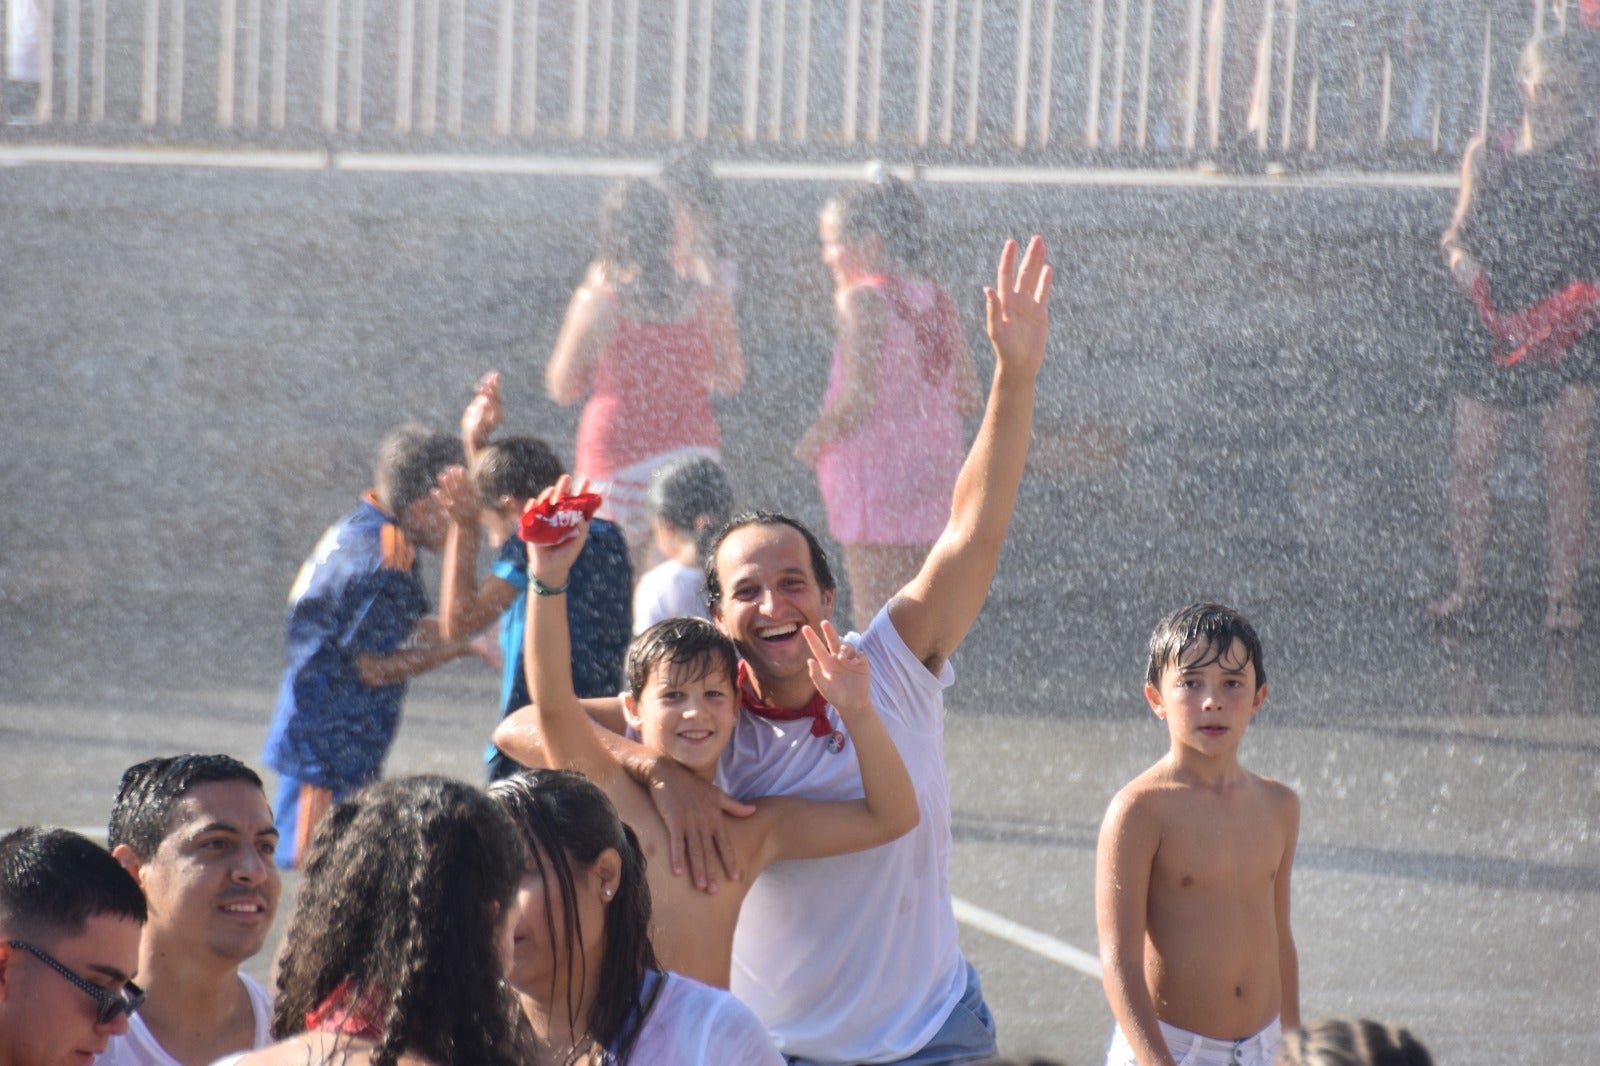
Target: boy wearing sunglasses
(196,833)
(69,944)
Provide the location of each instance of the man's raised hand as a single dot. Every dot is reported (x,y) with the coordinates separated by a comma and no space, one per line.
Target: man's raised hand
(1019,308)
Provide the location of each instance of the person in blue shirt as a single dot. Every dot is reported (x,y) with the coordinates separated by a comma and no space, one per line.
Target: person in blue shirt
(356,634)
(503,475)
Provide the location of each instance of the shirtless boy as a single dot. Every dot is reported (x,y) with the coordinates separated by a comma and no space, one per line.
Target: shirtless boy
(1192,869)
(682,698)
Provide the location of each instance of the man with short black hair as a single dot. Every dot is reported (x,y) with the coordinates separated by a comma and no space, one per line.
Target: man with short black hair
(69,946)
(196,833)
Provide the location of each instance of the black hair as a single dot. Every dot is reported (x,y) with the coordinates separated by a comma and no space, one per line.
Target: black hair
(52,881)
(1352,1042)
(1208,624)
(142,813)
(687,176)
(636,232)
(819,558)
(409,461)
(692,493)
(520,467)
(566,822)
(690,643)
(405,885)
(890,208)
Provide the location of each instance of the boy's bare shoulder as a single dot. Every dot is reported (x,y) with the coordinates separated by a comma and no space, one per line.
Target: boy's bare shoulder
(1142,798)
(1283,799)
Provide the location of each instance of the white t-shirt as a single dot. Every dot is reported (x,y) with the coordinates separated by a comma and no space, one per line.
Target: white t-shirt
(670,590)
(138,1048)
(693,1024)
(852,958)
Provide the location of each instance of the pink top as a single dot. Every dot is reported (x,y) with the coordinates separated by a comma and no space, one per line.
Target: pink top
(652,394)
(890,481)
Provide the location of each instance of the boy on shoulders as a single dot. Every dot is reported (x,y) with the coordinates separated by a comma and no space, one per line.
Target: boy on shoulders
(1192,868)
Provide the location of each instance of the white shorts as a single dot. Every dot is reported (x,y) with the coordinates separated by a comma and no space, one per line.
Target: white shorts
(1192,1049)
(626,493)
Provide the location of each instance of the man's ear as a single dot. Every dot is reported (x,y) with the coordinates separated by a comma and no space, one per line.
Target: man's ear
(827,603)
(131,861)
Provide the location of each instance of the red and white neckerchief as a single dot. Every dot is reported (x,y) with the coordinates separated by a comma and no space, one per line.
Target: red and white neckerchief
(816,710)
(351,1010)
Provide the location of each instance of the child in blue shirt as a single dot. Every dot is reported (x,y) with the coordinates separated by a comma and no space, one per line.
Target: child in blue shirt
(356,634)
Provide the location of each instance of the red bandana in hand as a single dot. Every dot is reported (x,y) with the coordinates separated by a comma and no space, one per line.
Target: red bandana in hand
(816,710)
(352,1011)
(549,522)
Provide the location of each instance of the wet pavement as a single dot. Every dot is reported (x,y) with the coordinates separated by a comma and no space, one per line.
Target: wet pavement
(195,368)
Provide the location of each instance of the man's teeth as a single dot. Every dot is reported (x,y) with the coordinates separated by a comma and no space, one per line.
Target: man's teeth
(243,908)
(779,631)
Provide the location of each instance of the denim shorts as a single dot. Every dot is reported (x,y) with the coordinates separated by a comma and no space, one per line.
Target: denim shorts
(967,1035)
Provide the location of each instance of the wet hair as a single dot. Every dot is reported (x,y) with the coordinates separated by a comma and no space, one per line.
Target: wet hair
(141,815)
(566,822)
(819,558)
(691,644)
(409,461)
(688,179)
(520,467)
(405,885)
(889,208)
(1352,1042)
(693,494)
(636,232)
(52,881)
(1209,625)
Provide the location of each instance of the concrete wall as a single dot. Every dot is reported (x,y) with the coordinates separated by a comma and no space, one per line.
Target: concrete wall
(195,368)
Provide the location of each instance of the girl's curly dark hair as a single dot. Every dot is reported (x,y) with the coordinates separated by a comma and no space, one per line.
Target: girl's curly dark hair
(405,885)
(636,232)
(566,822)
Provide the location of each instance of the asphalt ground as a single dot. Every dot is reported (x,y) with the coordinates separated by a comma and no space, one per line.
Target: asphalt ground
(162,482)
(1447,874)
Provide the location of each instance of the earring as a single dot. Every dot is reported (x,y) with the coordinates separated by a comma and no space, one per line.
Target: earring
(607,892)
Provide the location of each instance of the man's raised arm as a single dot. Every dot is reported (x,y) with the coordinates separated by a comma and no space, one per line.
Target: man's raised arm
(935,610)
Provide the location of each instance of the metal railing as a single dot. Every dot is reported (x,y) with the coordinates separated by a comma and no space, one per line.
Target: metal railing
(1079,81)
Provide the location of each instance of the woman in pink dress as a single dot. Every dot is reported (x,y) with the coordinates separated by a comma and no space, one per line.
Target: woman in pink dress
(888,443)
(647,347)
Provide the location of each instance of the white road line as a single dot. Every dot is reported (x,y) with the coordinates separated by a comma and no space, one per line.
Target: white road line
(1042,944)
(733,169)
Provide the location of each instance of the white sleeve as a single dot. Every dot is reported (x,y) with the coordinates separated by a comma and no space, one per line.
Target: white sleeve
(902,688)
(733,1034)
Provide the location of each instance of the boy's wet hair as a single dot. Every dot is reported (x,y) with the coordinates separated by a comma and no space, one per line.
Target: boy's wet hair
(519,467)
(409,461)
(1209,624)
(141,816)
(689,644)
(819,558)
(52,881)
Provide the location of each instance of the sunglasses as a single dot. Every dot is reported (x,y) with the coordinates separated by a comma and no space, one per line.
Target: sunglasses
(109,1004)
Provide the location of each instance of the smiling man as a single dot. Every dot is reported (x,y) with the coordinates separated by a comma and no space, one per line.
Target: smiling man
(69,942)
(197,834)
